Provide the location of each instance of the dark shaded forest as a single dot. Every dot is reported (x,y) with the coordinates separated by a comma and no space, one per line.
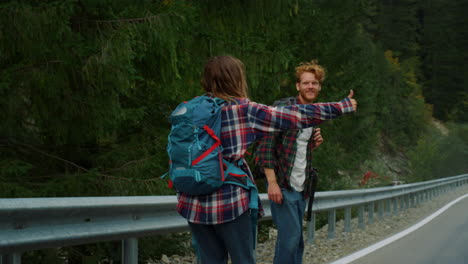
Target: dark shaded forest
(86,88)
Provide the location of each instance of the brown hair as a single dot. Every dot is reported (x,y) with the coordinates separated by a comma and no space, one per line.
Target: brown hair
(224,77)
(312,67)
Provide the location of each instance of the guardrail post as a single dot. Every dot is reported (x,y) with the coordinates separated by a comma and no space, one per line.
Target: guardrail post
(370,213)
(347,218)
(362,223)
(14,258)
(406,202)
(380,208)
(411,196)
(311,229)
(130,251)
(387,207)
(331,223)
(395,206)
(401,199)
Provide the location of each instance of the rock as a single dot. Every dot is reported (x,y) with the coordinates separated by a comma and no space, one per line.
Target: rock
(165,259)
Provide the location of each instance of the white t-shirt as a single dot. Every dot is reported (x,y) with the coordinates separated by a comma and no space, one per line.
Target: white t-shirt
(298,171)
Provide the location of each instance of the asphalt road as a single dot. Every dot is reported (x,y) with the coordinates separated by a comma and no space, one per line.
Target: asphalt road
(443,240)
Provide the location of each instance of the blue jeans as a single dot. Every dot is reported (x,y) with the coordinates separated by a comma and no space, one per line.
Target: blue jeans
(216,241)
(288,220)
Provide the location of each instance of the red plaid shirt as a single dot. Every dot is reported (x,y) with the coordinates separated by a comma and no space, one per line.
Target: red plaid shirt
(244,122)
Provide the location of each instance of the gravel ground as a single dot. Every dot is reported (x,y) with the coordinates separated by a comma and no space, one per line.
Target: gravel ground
(324,250)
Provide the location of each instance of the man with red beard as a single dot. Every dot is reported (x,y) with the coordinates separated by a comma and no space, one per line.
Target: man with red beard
(286,159)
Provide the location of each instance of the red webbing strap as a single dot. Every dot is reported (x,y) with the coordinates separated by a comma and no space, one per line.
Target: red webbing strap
(211,149)
(222,166)
(237,175)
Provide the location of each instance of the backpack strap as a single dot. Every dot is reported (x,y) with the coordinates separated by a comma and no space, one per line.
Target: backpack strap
(234,171)
(219,101)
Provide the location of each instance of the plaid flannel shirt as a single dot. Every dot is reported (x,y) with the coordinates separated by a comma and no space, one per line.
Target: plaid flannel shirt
(278,151)
(244,122)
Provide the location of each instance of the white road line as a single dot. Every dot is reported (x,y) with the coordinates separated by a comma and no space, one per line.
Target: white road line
(365,251)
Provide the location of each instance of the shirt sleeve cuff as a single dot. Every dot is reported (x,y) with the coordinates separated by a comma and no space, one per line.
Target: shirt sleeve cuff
(346,106)
(266,164)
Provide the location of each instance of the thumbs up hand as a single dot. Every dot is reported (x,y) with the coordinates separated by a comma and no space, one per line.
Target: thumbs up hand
(353,101)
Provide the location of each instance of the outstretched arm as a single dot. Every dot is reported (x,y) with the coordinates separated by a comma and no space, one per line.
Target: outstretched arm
(267,118)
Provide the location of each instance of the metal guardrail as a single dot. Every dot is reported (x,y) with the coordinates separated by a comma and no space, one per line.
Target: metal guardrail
(35,223)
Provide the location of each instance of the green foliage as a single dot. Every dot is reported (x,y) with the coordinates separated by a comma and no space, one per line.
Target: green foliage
(445,50)
(398,26)
(438,154)
(170,244)
(46,256)
(89,85)
(406,114)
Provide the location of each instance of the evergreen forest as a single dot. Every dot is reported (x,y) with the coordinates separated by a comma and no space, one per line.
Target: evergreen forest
(87,86)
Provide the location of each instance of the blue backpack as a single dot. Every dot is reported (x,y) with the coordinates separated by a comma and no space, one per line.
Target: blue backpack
(194,147)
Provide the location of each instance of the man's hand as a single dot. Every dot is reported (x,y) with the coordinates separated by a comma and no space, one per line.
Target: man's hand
(353,101)
(318,139)
(274,191)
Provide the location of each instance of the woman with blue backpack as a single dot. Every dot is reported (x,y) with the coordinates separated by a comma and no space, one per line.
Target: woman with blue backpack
(221,219)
